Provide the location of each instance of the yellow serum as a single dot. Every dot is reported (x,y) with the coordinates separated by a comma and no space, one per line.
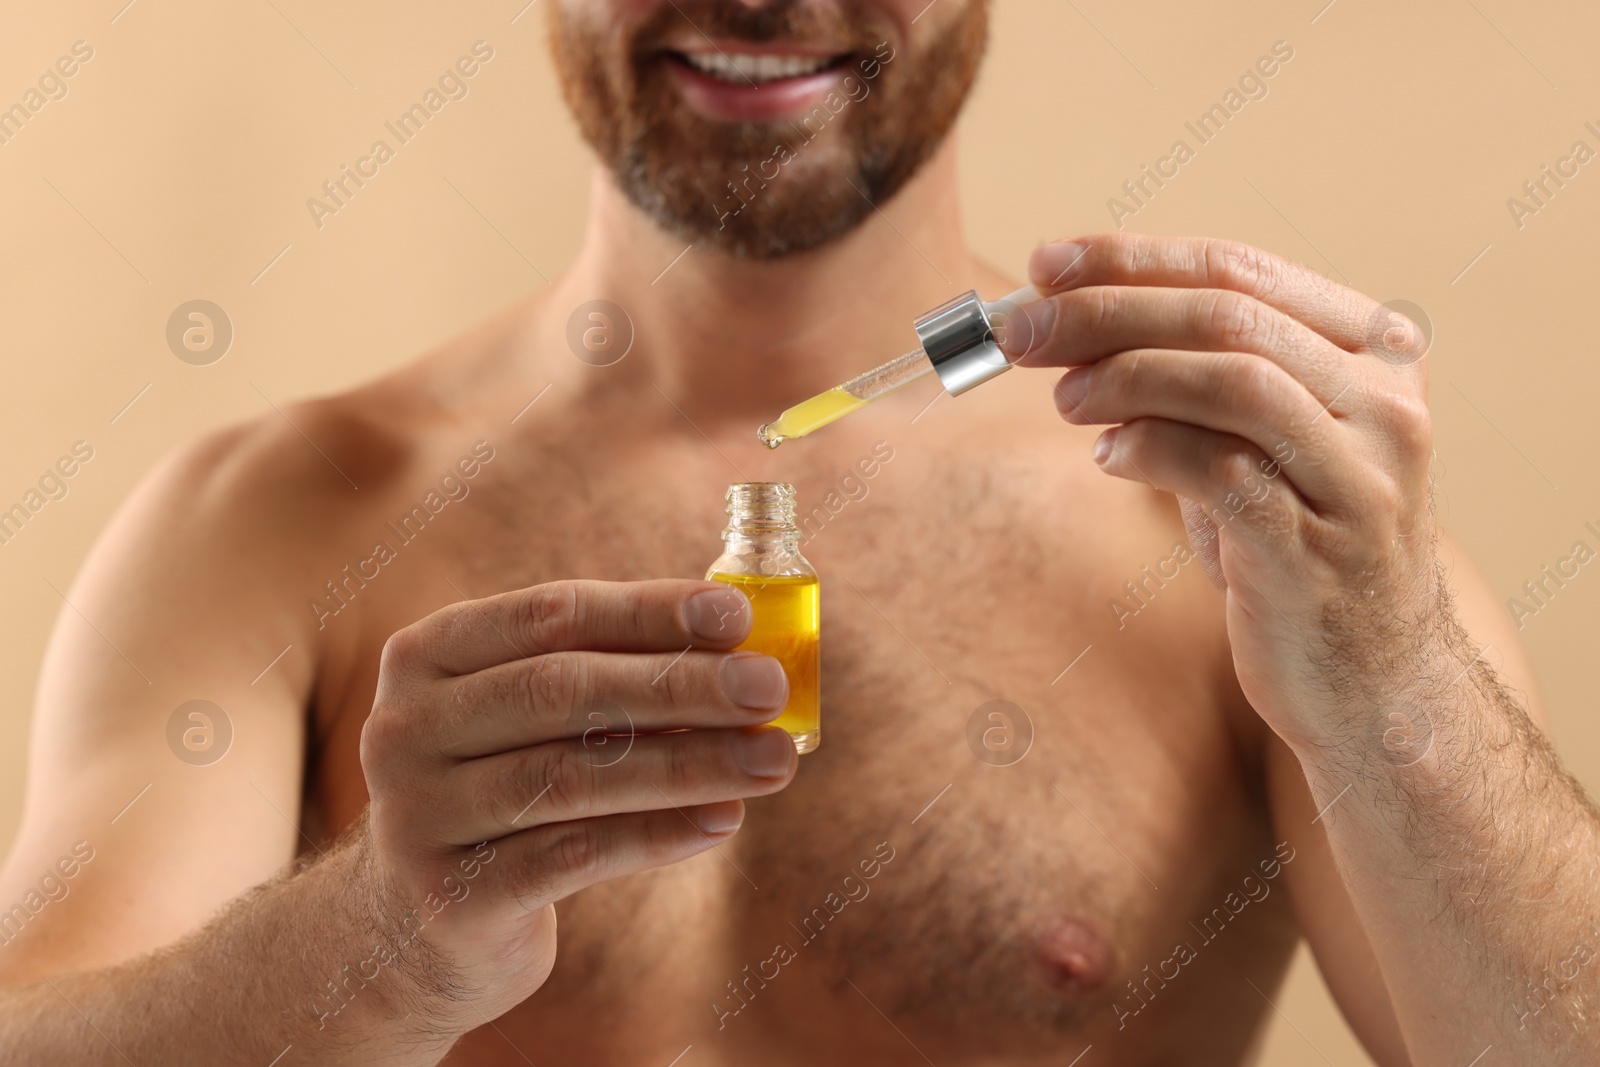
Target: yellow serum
(809,415)
(786,626)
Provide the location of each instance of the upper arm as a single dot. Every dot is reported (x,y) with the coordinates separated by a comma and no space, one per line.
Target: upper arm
(1322,902)
(175,603)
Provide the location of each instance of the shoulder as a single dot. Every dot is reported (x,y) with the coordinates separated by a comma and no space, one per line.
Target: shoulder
(222,525)
(279,493)
(274,481)
(295,469)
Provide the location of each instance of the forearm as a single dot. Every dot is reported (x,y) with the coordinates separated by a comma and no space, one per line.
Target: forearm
(1472,857)
(291,964)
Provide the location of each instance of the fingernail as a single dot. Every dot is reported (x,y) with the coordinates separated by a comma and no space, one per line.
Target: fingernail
(1053,265)
(719,818)
(765,753)
(1102,448)
(718,614)
(755,681)
(1070,392)
(1028,327)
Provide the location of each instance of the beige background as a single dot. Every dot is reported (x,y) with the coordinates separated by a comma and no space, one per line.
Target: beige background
(179,164)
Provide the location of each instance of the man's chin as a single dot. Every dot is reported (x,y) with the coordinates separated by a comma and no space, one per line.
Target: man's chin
(754,229)
(761,244)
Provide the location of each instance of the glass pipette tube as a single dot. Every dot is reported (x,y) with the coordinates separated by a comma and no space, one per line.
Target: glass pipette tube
(960,342)
(841,400)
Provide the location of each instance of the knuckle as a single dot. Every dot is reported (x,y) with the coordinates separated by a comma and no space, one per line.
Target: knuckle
(1229,468)
(569,780)
(533,686)
(549,615)
(538,881)
(677,684)
(387,734)
(1276,523)
(1120,254)
(557,684)
(1236,265)
(1102,305)
(379,740)
(1237,321)
(1252,384)
(638,614)
(1396,337)
(679,767)
(500,799)
(401,791)
(1112,377)
(659,839)
(577,850)
(1325,540)
(401,651)
(465,699)
(1382,496)
(1410,426)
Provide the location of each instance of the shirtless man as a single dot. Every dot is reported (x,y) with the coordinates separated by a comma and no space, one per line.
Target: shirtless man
(413,850)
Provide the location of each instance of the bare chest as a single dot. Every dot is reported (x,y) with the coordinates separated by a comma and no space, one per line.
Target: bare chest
(1021,798)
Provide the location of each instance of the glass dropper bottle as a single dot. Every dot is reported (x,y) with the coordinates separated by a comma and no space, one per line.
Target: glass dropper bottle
(761,556)
(960,343)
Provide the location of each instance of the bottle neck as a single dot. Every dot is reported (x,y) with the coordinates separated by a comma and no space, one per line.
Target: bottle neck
(761,516)
(739,541)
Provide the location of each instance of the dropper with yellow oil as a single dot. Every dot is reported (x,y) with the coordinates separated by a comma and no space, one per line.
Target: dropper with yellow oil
(841,400)
(960,343)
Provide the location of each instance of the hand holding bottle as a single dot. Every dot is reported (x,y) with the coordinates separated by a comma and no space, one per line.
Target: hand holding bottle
(534,721)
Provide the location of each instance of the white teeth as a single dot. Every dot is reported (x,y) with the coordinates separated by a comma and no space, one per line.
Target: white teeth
(742,69)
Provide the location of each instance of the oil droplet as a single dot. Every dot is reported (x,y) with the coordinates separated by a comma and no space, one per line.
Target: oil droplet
(769,437)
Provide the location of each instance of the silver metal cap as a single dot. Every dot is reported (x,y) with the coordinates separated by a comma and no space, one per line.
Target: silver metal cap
(959,340)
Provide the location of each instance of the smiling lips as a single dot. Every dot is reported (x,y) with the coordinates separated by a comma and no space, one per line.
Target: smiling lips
(732,84)
(744,68)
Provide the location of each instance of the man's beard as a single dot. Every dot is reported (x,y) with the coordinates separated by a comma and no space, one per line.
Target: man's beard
(761,190)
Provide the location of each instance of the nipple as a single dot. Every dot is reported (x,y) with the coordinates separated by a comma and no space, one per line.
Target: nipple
(1076,956)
